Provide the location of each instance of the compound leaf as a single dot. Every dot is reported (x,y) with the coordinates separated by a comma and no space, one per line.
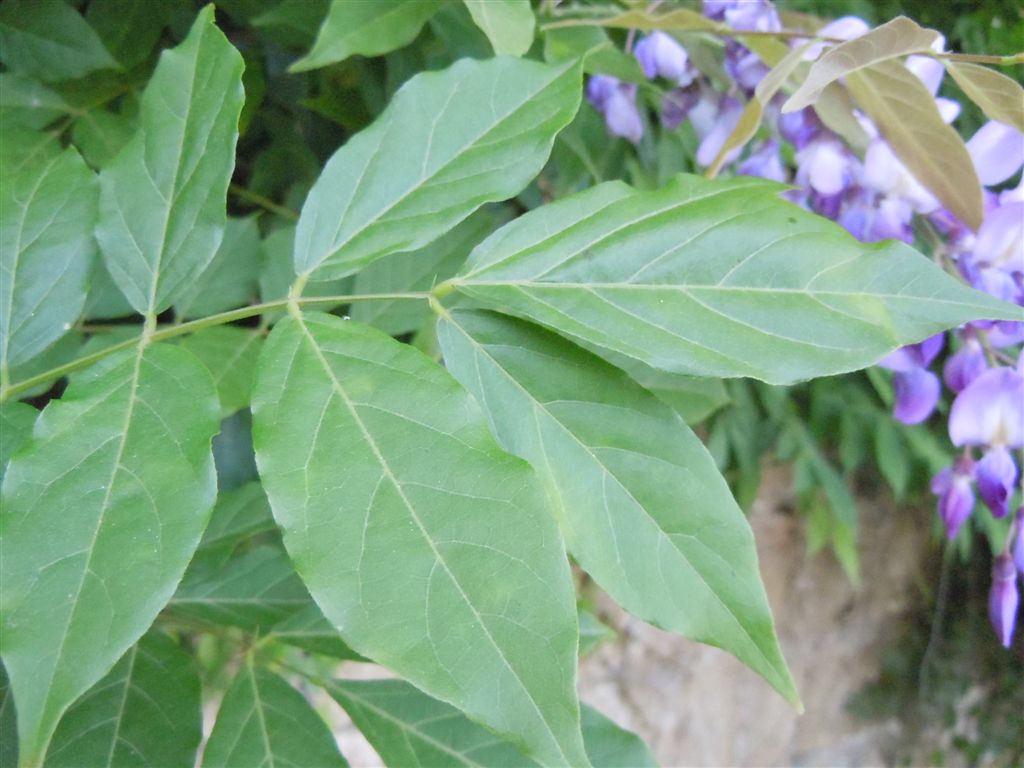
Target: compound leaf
(716,279)
(162,202)
(404,181)
(102,510)
(484,601)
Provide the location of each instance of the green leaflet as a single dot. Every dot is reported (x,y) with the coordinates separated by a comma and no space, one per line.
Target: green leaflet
(508,24)
(230,353)
(309,630)
(369,29)
(431,550)
(404,181)
(263,721)
(416,271)
(49,40)
(408,728)
(239,513)
(641,504)
(27,103)
(16,420)
(252,591)
(145,712)
(229,280)
(128,28)
(47,215)
(162,202)
(716,279)
(102,511)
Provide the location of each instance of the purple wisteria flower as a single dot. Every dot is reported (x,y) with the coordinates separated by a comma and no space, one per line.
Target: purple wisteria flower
(956,495)
(964,365)
(1018,541)
(661,55)
(1003,598)
(916,388)
(616,100)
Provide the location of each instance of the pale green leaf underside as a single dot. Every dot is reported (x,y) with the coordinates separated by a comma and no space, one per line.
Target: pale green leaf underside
(310,630)
(47,215)
(432,551)
(508,24)
(162,202)
(641,504)
(716,279)
(265,722)
(102,511)
(368,29)
(16,420)
(408,728)
(146,712)
(238,514)
(448,142)
(1000,97)
(229,280)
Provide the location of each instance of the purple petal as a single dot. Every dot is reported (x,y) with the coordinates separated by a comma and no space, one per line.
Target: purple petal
(622,117)
(764,162)
(964,366)
(929,71)
(715,139)
(956,503)
(997,150)
(1003,599)
(677,104)
(599,88)
(660,54)
(845,28)
(826,166)
(800,127)
(917,393)
(990,410)
(1000,240)
(996,475)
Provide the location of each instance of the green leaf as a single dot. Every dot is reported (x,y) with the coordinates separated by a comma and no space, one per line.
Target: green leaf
(508,24)
(100,135)
(484,601)
(406,180)
(145,712)
(28,103)
(593,631)
(293,23)
(16,421)
(8,724)
(264,721)
(24,148)
(46,251)
(49,40)
(692,398)
(229,280)
(162,202)
(310,630)
(102,511)
(368,29)
(105,300)
(716,279)
(278,270)
(230,353)
(129,29)
(896,38)
(64,350)
(408,728)
(417,271)
(640,502)
(239,513)
(909,120)
(252,591)
(1000,97)
(893,457)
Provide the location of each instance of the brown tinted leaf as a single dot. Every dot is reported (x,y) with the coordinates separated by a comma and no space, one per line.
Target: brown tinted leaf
(895,38)
(908,119)
(1000,97)
(835,108)
(750,119)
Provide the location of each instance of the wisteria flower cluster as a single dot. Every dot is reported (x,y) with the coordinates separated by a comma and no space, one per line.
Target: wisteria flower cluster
(875,197)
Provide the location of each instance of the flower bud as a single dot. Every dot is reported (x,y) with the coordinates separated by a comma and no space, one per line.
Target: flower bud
(1018,541)
(996,474)
(917,393)
(661,55)
(1003,599)
(956,497)
(964,366)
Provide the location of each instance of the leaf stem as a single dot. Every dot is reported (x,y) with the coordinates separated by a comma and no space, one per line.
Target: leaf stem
(263,202)
(155,334)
